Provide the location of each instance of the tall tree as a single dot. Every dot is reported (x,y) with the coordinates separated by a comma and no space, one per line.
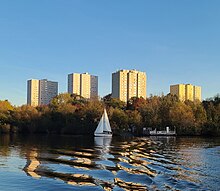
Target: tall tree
(182,118)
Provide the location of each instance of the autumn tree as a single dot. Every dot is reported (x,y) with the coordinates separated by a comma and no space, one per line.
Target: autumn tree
(115,103)
(25,118)
(166,103)
(199,114)
(5,110)
(150,112)
(182,118)
(118,119)
(212,107)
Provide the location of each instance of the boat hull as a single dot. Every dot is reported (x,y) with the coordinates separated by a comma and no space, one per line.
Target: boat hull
(102,135)
(163,133)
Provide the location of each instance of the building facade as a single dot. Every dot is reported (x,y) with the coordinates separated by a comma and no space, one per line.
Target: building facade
(128,83)
(197,93)
(74,83)
(33,92)
(41,92)
(178,90)
(48,90)
(186,92)
(85,85)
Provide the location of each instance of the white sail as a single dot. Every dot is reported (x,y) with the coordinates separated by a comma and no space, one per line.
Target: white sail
(106,125)
(99,129)
(104,128)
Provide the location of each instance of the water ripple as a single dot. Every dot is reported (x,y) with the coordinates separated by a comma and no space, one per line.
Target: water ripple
(141,164)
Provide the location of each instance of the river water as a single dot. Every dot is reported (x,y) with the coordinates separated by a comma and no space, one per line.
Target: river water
(43,162)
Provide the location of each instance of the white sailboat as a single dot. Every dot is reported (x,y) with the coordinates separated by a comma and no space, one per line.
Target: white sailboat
(104,128)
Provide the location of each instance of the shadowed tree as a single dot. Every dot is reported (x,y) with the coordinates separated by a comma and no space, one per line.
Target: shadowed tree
(118,120)
(135,121)
(212,107)
(150,112)
(199,115)
(167,102)
(25,118)
(115,103)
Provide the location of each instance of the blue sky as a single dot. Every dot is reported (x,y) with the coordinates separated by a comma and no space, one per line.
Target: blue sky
(172,41)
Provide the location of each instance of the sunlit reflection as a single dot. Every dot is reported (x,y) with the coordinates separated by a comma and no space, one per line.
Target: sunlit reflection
(129,185)
(32,163)
(141,164)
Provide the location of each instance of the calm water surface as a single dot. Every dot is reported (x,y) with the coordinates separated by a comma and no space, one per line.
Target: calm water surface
(81,163)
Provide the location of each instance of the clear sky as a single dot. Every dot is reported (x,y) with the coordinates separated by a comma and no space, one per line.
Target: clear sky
(172,41)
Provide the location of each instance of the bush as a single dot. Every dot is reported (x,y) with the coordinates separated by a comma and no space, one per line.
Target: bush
(6,128)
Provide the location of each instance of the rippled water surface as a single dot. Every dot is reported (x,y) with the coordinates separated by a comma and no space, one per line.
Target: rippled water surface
(87,163)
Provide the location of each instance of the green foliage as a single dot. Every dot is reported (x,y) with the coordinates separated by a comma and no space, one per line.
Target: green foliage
(166,104)
(135,121)
(182,118)
(67,102)
(212,124)
(25,118)
(72,114)
(150,112)
(115,103)
(119,119)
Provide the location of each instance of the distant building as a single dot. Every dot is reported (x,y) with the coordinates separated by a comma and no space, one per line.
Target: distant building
(189,92)
(128,83)
(74,83)
(197,93)
(48,90)
(85,85)
(33,92)
(41,92)
(186,92)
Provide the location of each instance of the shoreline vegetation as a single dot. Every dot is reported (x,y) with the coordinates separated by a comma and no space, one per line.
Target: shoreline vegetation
(72,114)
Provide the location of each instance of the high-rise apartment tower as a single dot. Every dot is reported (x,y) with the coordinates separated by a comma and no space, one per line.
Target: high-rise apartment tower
(186,92)
(41,92)
(33,92)
(128,83)
(85,85)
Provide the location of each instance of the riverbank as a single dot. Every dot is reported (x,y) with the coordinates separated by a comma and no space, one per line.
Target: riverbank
(71,114)
(7,129)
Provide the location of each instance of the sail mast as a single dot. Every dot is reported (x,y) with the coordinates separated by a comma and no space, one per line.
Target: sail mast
(103,128)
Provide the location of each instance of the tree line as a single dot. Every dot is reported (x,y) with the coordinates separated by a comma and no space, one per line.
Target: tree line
(72,114)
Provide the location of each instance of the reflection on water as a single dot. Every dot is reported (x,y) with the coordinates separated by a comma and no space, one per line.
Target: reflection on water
(66,162)
(32,163)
